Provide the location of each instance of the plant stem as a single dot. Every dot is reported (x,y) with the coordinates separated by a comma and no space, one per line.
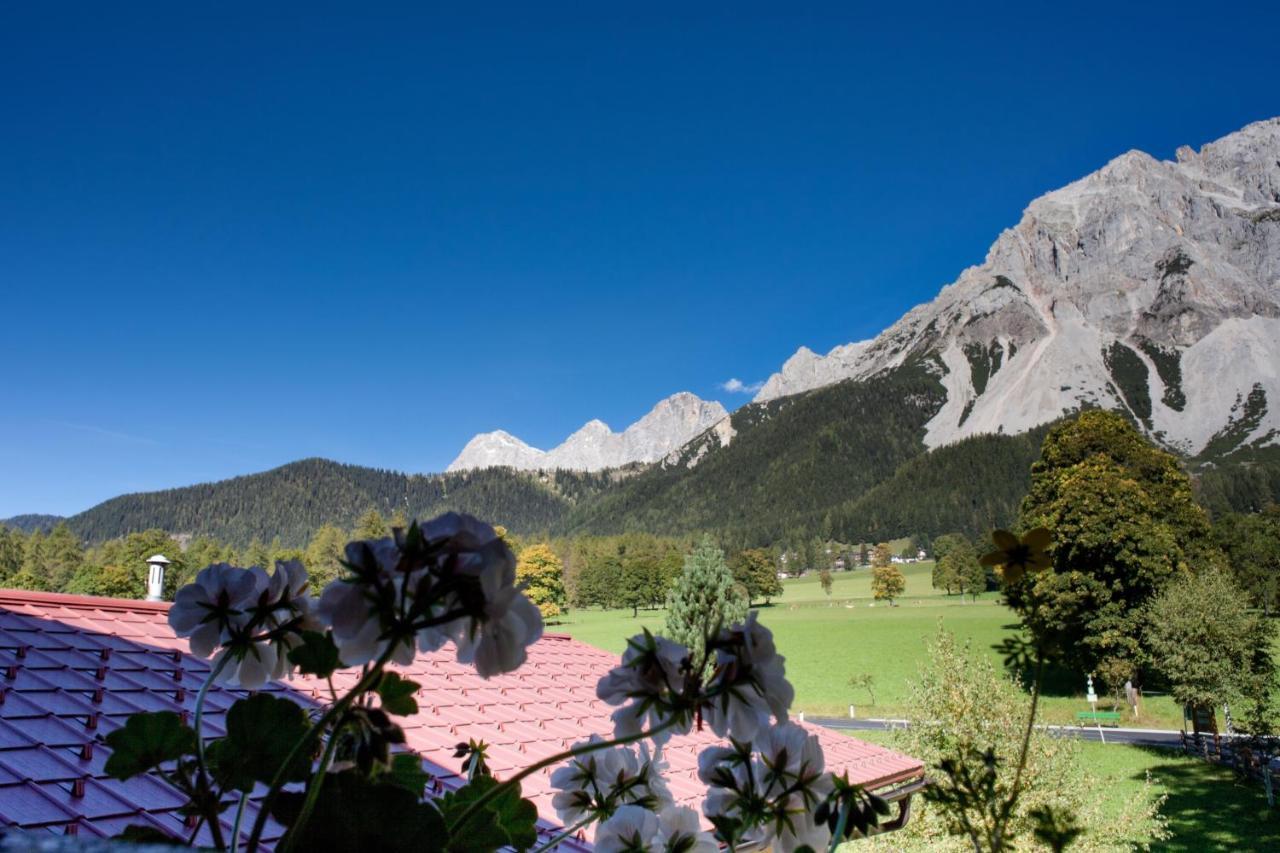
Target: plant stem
(562,836)
(1031,721)
(839,833)
(215,828)
(584,749)
(235,826)
(304,743)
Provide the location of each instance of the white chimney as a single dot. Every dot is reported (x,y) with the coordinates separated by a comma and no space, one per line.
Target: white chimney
(155,577)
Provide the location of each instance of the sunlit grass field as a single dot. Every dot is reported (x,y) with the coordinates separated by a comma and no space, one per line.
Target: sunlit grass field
(828,639)
(1207,807)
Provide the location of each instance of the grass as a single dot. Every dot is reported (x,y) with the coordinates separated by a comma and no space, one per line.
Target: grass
(828,639)
(1207,807)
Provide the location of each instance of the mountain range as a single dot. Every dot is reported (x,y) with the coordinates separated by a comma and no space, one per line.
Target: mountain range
(1149,286)
(672,423)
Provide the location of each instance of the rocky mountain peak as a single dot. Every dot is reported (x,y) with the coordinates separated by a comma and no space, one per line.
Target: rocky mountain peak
(1149,285)
(670,424)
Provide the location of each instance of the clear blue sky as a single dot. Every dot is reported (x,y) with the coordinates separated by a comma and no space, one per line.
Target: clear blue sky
(234,237)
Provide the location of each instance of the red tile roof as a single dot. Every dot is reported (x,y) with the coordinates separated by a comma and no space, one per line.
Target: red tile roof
(73,668)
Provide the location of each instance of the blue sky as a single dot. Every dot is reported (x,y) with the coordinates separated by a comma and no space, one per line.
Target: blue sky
(231,238)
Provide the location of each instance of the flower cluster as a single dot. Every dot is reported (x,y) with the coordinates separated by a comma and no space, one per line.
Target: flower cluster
(770,791)
(594,785)
(449,580)
(633,829)
(251,619)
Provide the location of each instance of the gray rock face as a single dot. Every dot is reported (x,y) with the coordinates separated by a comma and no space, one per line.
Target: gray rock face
(669,425)
(1150,285)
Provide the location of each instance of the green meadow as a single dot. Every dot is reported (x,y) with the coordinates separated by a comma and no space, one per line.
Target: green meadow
(829,638)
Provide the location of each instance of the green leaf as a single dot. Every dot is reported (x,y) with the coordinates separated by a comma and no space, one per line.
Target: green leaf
(506,820)
(406,772)
(146,741)
(355,813)
(397,694)
(261,731)
(316,656)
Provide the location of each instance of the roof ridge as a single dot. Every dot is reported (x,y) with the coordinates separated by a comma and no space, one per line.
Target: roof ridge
(81,602)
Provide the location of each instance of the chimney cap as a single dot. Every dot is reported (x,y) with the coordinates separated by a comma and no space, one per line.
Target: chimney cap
(160,559)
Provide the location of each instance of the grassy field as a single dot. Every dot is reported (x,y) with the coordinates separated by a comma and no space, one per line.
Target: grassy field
(1207,808)
(827,639)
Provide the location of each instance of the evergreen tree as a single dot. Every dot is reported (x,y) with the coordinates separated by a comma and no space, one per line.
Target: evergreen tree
(543,575)
(1252,546)
(63,555)
(323,554)
(257,554)
(704,599)
(12,544)
(864,556)
(824,578)
(32,575)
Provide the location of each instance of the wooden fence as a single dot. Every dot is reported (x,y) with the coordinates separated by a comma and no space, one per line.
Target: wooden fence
(1254,758)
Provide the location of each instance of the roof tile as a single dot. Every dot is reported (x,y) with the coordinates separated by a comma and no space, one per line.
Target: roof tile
(74,668)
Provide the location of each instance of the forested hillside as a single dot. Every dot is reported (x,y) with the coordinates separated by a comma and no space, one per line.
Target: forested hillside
(789,463)
(290,502)
(846,462)
(31,522)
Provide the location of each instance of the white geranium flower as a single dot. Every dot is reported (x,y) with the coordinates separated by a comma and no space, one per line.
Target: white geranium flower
(645,684)
(680,831)
(498,640)
(751,682)
(594,784)
(632,829)
(786,774)
(357,628)
(206,609)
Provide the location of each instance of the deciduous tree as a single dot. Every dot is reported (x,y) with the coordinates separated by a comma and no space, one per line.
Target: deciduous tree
(887,583)
(1124,524)
(543,575)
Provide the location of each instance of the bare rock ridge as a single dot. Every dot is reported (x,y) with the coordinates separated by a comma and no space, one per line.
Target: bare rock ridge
(669,425)
(1150,286)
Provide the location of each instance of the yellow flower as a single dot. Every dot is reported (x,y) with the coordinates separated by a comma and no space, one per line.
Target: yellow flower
(1014,557)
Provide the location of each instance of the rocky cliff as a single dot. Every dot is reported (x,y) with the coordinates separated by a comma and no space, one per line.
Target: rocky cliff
(1151,286)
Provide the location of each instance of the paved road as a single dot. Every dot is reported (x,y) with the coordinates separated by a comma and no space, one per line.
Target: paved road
(1138,737)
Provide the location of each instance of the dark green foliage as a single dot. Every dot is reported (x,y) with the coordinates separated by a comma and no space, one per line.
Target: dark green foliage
(292,501)
(983,364)
(1131,377)
(397,694)
(973,486)
(316,656)
(1123,523)
(704,600)
(1252,546)
(1246,415)
(1168,362)
(146,741)
(261,730)
(505,821)
(790,462)
(755,571)
(1245,481)
(356,813)
(31,522)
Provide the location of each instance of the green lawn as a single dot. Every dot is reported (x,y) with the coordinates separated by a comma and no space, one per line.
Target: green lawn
(828,639)
(1207,808)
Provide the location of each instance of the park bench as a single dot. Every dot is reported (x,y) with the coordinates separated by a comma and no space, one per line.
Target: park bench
(1098,717)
